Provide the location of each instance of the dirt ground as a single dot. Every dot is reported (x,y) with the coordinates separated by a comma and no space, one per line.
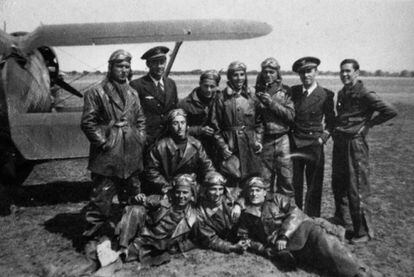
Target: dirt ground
(43,235)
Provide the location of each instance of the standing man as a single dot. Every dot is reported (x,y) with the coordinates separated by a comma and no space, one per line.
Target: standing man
(313,103)
(198,105)
(278,113)
(114,123)
(158,94)
(350,168)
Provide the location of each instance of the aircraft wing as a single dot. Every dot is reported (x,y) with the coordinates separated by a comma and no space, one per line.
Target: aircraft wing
(142,31)
(6,42)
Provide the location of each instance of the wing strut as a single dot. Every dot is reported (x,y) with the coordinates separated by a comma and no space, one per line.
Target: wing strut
(172,57)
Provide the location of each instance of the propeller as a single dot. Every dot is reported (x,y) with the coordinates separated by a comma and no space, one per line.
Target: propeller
(61,83)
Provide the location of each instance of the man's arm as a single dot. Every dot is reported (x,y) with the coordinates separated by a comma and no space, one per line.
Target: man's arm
(89,122)
(154,172)
(329,114)
(385,111)
(294,216)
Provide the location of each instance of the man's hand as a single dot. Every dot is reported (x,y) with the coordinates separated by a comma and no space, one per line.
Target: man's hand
(240,247)
(140,198)
(320,141)
(207,131)
(258,147)
(281,244)
(364,130)
(235,212)
(227,153)
(105,146)
(265,98)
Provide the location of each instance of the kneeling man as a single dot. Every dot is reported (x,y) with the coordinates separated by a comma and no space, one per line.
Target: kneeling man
(175,153)
(275,225)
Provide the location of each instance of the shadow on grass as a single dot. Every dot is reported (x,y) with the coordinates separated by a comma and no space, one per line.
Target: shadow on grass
(52,193)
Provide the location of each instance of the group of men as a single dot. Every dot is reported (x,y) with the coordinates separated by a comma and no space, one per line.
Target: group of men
(163,159)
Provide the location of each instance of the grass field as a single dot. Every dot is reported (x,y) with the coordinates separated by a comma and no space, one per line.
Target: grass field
(43,237)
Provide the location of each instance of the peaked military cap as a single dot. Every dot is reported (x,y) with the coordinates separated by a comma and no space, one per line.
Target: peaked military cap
(155,52)
(305,63)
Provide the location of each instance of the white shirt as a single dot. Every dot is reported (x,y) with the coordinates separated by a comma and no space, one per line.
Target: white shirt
(310,89)
(157,81)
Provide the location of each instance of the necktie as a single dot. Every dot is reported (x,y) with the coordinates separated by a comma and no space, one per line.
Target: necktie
(160,88)
(305,94)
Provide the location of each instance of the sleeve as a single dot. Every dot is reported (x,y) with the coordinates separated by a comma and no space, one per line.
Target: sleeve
(259,125)
(154,172)
(329,113)
(294,216)
(140,123)
(208,238)
(215,120)
(90,124)
(385,110)
(205,162)
(243,228)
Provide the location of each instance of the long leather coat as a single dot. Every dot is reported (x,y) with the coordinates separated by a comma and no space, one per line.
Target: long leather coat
(121,125)
(156,104)
(238,126)
(164,163)
(216,231)
(310,110)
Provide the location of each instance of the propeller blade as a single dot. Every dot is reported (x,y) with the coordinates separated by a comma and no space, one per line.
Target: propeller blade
(60,82)
(6,42)
(143,31)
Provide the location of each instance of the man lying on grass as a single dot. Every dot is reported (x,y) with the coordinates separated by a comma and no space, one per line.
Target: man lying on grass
(274,227)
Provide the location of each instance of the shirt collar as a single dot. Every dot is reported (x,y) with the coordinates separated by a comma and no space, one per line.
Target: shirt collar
(311,89)
(157,81)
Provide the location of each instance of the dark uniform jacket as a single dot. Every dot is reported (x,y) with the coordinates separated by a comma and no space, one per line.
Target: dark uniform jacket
(310,110)
(106,119)
(156,104)
(355,108)
(165,231)
(279,115)
(277,217)
(198,117)
(238,127)
(216,231)
(164,163)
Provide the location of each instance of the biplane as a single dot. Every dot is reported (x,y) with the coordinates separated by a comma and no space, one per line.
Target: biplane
(31,131)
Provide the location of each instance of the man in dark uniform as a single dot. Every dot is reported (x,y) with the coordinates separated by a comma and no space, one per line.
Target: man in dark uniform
(158,94)
(198,105)
(278,113)
(312,104)
(176,153)
(350,168)
(274,227)
(114,123)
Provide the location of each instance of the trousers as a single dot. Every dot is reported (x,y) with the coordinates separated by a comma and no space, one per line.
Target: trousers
(350,183)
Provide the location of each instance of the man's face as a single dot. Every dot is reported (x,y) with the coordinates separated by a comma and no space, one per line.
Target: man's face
(238,78)
(120,71)
(269,75)
(179,126)
(208,87)
(157,67)
(257,195)
(215,193)
(182,196)
(307,76)
(348,74)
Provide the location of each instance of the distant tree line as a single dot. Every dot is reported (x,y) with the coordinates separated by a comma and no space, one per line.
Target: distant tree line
(376,73)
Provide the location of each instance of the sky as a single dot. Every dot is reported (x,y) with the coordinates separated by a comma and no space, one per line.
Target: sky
(378,33)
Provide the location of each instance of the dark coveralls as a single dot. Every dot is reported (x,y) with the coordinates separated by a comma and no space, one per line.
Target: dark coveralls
(279,217)
(165,161)
(198,113)
(308,128)
(156,103)
(238,126)
(277,117)
(216,230)
(155,230)
(350,165)
(117,120)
